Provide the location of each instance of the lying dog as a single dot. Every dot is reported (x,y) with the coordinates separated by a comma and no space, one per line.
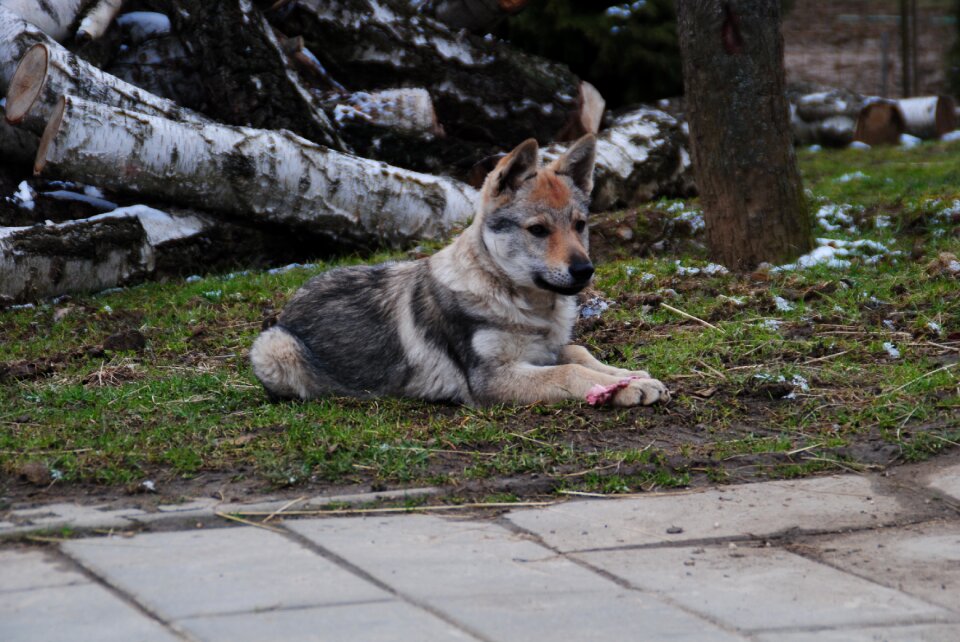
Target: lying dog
(486,320)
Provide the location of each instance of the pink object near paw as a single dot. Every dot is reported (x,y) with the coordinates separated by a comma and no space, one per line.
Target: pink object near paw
(600,394)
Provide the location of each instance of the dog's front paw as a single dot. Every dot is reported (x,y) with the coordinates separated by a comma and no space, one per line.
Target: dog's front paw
(644,392)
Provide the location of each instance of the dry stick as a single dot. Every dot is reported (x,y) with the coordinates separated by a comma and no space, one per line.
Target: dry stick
(399,509)
(233,517)
(923,376)
(283,508)
(690,316)
(829,356)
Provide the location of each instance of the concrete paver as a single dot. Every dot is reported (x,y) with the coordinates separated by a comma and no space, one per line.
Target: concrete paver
(216,571)
(25,569)
(921,559)
(761,588)
(76,613)
(498,584)
(947,480)
(754,509)
(915,633)
(372,622)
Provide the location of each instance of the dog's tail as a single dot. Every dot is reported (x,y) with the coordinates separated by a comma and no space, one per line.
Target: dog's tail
(283,364)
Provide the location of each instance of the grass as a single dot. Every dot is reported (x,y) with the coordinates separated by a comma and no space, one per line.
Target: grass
(185,411)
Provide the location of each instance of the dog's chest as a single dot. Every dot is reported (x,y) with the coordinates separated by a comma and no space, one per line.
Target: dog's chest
(535,339)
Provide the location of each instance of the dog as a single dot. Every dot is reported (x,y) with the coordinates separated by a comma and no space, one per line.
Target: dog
(486,320)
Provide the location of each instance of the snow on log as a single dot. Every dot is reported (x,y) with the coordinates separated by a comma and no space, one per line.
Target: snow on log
(264,175)
(98,19)
(47,72)
(53,17)
(246,75)
(928,116)
(476,16)
(641,156)
(483,89)
(880,122)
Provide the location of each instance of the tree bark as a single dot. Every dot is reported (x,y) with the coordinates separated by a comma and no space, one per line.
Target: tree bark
(47,72)
(476,16)
(258,87)
(53,17)
(268,176)
(483,90)
(740,133)
(16,37)
(641,156)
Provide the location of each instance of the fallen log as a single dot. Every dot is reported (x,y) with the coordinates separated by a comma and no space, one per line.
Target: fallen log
(16,37)
(264,175)
(47,72)
(246,75)
(641,156)
(483,89)
(837,117)
(476,16)
(53,17)
(928,116)
(879,122)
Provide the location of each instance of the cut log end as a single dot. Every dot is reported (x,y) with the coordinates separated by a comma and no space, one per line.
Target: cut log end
(49,135)
(586,117)
(880,123)
(27,83)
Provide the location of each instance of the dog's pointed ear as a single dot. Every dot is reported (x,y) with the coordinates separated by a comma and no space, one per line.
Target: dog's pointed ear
(512,170)
(577,163)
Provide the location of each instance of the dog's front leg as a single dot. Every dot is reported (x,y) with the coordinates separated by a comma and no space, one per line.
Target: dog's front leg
(526,383)
(578,354)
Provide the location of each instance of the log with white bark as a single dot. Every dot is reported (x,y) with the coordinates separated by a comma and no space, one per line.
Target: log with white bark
(407,109)
(837,117)
(483,89)
(16,37)
(640,157)
(98,19)
(929,116)
(246,75)
(47,72)
(53,17)
(263,175)
(476,16)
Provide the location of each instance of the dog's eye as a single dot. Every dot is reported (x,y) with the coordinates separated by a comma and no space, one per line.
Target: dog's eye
(539,231)
(579,226)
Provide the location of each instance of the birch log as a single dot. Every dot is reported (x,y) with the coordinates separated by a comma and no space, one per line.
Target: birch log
(264,175)
(483,89)
(641,156)
(47,72)
(16,37)
(98,19)
(53,17)
(928,116)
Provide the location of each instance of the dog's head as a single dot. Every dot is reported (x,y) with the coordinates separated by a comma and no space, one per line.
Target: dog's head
(534,219)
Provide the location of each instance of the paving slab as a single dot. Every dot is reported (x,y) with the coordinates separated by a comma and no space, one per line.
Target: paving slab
(217,571)
(921,559)
(762,588)
(917,633)
(762,509)
(26,569)
(77,613)
(498,584)
(61,515)
(372,622)
(946,480)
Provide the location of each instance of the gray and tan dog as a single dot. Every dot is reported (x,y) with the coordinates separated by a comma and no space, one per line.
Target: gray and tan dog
(488,319)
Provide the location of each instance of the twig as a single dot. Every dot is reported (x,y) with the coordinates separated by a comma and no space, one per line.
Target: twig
(398,509)
(923,376)
(234,518)
(690,316)
(712,369)
(824,358)
(805,448)
(283,508)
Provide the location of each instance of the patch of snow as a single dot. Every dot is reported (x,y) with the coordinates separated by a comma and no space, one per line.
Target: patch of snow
(109,291)
(594,308)
(93,201)
(736,300)
(814,148)
(891,350)
(852,176)
(782,304)
(93,191)
(800,383)
(149,486)
(906,140)
(22,306)
(193,278)
(144,25)
(833,217)
(882,222)
(835,252)
(935,327)
(694,218)
(213,294)
(108,309)
(858,145)
(24,196)
(951,136)
(772,324)
(292,266)
(161,226)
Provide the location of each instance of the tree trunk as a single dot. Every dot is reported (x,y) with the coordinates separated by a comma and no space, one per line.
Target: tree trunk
(255,88)
(740,133)
(640,157)
(53,17)
(483,90)
(48,71)
(268,176)
(476,16)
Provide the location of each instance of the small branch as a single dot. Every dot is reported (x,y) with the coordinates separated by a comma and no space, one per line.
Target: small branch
(691,317)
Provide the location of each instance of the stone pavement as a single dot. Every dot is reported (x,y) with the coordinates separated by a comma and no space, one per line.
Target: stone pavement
(832,558)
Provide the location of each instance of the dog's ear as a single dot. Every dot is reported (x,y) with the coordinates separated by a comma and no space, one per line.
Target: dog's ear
(512,170)
(577,163)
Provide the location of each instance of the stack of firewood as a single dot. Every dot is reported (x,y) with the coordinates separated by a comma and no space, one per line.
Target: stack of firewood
(364,122)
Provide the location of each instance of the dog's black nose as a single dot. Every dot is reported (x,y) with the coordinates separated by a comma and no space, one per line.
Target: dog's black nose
(581,271)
